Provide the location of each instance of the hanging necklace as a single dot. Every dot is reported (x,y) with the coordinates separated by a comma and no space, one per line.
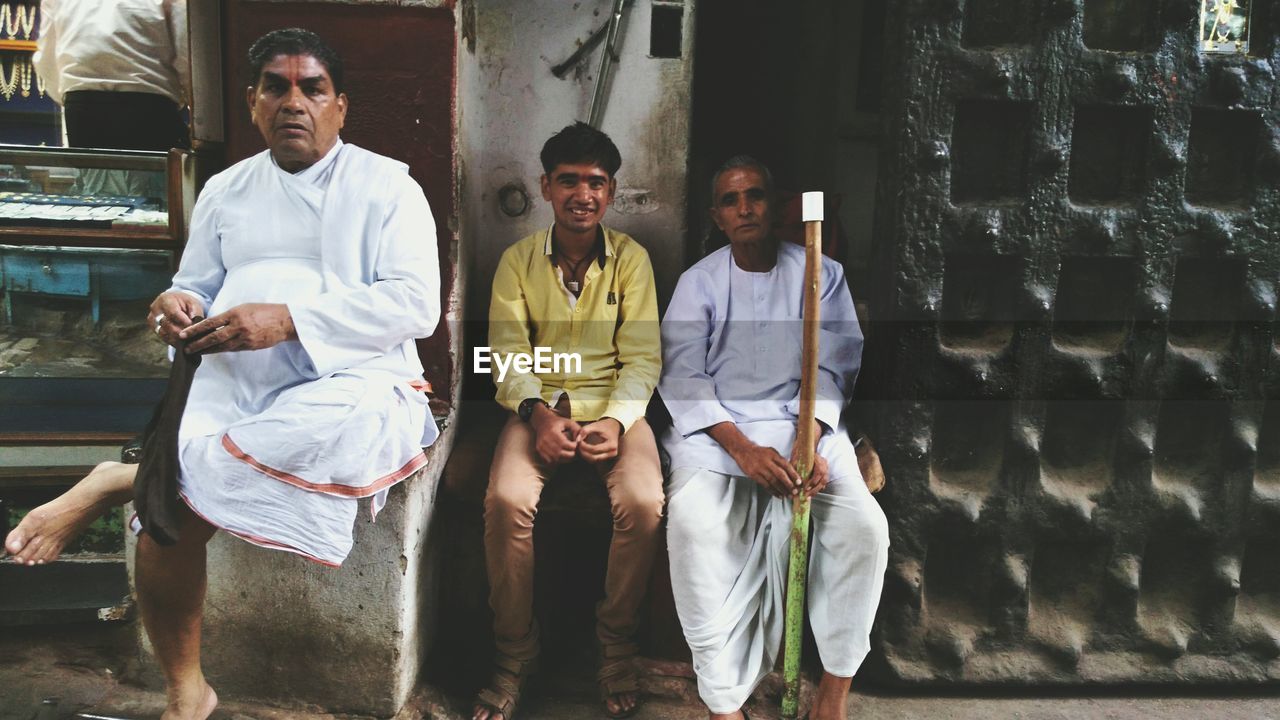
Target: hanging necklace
(9,82)
(573,265)
(24,24)
(570,279)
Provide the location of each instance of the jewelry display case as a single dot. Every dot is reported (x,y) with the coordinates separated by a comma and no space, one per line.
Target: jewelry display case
(87,239)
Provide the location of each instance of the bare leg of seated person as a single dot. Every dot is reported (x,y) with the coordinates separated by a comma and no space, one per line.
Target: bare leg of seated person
(171,587)
(831,700)
(47,529)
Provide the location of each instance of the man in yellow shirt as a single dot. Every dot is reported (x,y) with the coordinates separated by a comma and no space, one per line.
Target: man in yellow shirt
(574,307)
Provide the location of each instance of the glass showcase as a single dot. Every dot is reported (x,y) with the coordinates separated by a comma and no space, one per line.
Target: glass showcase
(87,240)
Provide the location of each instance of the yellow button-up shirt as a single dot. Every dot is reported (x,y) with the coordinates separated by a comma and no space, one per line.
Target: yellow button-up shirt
(613,328)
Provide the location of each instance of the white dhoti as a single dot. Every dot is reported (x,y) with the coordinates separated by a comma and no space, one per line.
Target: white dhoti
(728,543)
(288,478)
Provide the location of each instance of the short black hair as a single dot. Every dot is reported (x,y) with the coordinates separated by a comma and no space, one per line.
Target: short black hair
(294,41)
(744,162)
(580,143)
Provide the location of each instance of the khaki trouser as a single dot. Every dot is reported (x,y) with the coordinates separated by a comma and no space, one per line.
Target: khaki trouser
(516,479)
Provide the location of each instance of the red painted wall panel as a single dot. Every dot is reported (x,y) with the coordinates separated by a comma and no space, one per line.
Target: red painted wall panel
(400,76)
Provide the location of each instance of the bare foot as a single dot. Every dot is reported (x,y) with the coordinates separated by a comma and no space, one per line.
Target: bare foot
(832,699)
(198,706)
(46,530)
(739,715)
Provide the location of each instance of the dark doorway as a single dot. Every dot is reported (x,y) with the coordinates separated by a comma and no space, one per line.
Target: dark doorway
(798,86)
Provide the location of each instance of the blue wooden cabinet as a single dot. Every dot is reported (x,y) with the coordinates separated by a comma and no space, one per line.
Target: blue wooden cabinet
(93,274)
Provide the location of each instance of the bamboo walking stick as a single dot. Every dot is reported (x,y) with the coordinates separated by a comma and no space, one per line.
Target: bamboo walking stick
(797,568)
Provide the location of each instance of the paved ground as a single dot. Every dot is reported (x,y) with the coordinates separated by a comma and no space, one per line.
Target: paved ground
(81,667)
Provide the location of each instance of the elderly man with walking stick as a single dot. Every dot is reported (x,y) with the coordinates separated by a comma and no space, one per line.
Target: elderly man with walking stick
(732,381)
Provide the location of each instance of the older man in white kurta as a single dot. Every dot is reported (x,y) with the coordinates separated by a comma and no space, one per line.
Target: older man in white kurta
(314,266)
(731,361)
(277,443)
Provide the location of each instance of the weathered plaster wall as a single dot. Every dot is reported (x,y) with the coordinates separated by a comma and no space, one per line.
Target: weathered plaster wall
(511,103)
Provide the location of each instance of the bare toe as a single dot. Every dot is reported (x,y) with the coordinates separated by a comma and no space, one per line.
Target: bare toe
(47,553)
(14,542)
(27,556)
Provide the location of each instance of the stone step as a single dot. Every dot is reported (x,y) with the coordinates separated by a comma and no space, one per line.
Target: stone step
(73,589)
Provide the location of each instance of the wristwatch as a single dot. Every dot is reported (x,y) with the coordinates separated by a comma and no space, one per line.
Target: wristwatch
(527,406)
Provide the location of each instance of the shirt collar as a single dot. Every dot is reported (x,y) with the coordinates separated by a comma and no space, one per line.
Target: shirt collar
(603,240)
(315,169)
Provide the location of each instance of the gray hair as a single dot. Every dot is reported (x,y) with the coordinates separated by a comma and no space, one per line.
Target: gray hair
(738,162)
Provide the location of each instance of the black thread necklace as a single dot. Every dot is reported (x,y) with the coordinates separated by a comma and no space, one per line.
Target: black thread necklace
(572,277)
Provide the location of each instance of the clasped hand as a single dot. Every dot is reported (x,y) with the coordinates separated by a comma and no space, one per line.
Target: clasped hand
(778,475)
(252,326)
(560,439)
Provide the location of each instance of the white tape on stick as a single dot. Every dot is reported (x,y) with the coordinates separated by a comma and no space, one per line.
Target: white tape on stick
(811,207)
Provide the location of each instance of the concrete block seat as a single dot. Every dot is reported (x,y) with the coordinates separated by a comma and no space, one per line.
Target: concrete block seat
(284,631)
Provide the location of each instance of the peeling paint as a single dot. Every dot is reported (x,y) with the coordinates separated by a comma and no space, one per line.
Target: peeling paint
(636,201)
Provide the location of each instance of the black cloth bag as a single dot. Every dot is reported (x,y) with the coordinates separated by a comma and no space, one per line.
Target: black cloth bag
(155,489)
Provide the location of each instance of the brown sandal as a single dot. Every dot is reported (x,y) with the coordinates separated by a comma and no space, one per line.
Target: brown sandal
(503,693)
(618,675)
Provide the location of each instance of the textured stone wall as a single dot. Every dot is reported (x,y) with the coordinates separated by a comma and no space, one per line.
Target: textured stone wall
(1076,379)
